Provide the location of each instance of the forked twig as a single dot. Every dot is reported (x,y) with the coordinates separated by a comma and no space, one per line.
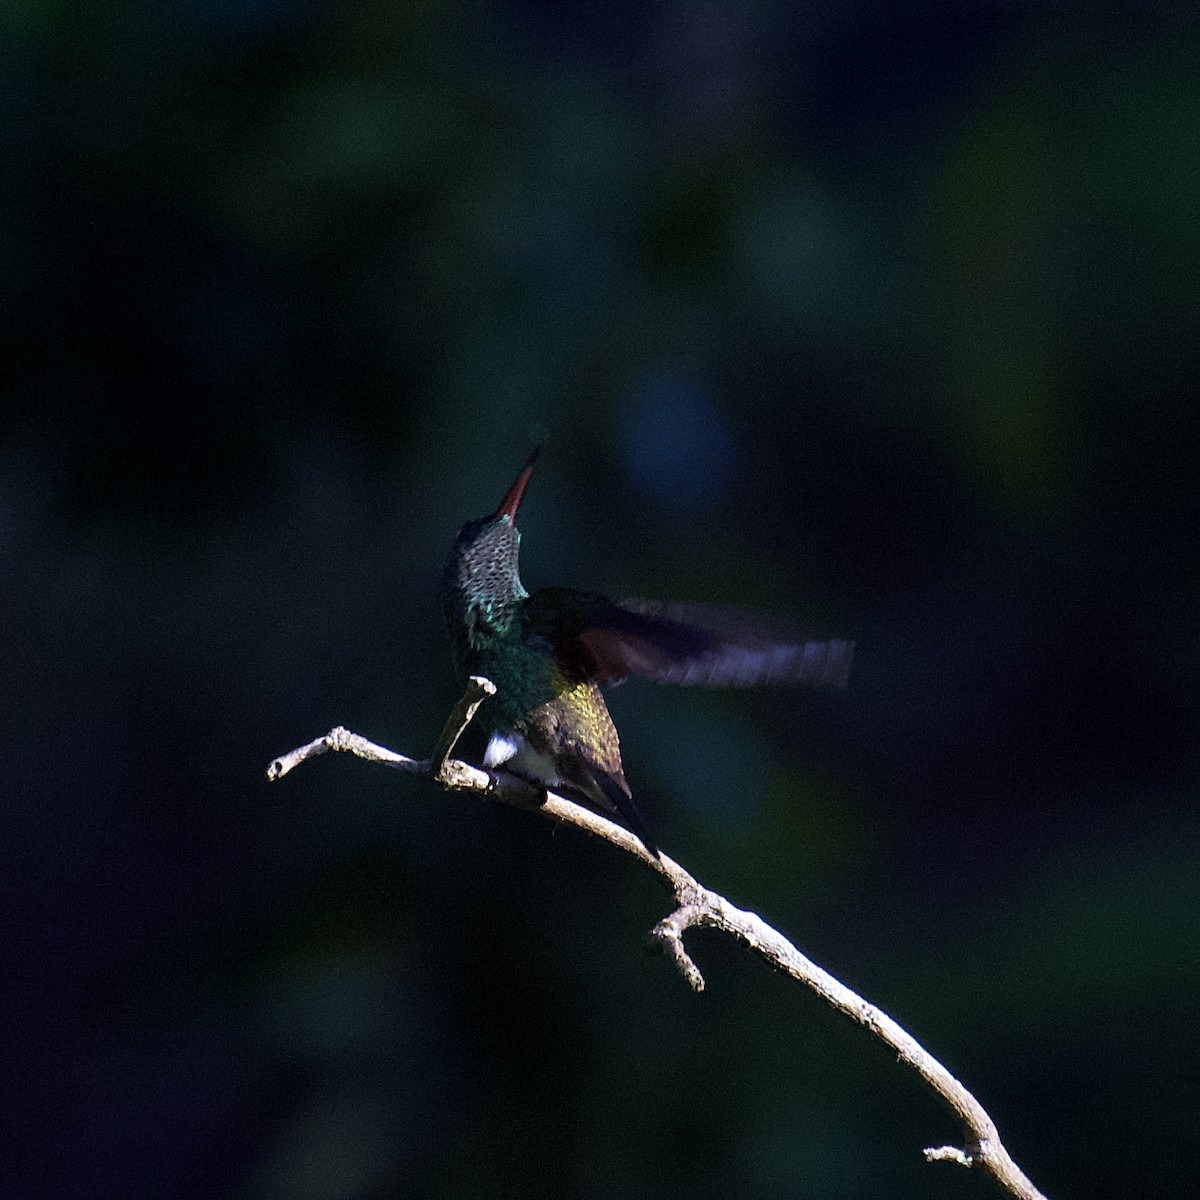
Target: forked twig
(695,905)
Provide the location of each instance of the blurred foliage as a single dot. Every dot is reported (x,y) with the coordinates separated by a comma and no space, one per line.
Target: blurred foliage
(878,317)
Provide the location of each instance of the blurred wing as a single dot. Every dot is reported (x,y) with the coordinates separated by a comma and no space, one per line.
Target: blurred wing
(682,643)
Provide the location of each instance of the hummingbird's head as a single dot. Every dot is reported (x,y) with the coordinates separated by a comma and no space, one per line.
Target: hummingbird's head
(480,584)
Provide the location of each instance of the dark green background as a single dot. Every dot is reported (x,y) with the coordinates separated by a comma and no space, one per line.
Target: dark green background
(877,317)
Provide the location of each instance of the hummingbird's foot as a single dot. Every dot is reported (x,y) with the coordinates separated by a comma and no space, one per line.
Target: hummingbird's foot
(518,786)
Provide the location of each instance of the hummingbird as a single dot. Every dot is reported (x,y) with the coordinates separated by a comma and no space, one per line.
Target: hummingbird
(549,653)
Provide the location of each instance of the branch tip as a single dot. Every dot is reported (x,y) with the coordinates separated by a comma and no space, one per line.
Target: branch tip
(667,938)
(949,1154)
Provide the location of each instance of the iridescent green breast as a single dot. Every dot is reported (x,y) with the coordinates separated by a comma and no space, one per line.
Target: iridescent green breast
(525,678)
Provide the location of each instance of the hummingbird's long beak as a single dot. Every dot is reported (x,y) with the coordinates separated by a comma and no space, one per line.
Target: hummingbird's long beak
(508,506)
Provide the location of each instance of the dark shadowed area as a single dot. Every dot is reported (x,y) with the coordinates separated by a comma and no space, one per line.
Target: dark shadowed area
(881,319)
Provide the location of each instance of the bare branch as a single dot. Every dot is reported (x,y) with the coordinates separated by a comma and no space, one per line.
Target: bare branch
(478,690)
(342,739)
(695,905)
